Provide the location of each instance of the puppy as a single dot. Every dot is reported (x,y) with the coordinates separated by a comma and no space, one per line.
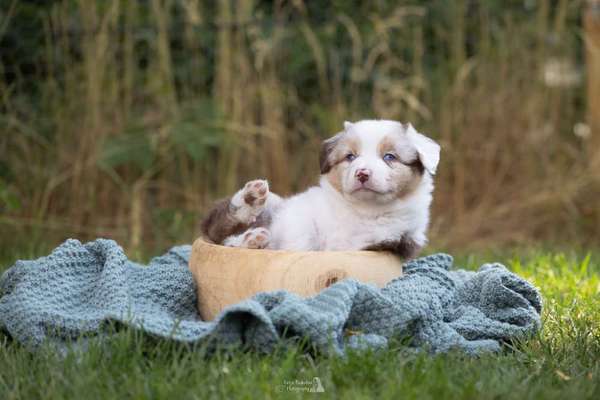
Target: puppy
(374,194)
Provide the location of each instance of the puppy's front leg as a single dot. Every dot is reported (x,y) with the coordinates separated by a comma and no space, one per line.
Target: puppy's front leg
(235,215)
(256,238)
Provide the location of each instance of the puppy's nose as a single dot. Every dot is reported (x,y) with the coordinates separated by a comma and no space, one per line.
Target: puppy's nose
(363,175)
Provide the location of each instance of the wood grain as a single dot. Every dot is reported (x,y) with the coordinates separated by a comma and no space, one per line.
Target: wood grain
(227,275)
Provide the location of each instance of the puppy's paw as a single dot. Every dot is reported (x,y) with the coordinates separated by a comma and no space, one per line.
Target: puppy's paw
(257,238)
(255,193)
(250,201)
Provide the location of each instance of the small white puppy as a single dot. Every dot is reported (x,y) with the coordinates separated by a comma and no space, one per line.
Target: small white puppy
(374,194)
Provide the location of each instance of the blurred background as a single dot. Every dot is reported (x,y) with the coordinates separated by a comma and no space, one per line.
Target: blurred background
(126,119)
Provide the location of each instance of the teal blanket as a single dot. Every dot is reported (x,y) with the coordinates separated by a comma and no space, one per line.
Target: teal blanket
(80,288)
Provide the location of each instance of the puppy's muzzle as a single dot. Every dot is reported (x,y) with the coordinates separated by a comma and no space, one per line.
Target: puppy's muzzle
(362,175)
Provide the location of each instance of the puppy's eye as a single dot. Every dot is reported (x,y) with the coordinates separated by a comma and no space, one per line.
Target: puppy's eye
(350,157)
(389,157)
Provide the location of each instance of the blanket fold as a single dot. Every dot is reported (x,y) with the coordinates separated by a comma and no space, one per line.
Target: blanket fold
(78,288)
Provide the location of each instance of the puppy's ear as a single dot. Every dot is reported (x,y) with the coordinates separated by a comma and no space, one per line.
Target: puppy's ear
(428,150)
(347,125)
(327,147)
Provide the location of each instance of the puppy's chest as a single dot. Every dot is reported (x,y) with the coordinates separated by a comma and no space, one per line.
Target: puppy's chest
(358,233)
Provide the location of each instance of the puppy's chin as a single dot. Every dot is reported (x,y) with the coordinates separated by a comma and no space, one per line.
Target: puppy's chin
(369,196)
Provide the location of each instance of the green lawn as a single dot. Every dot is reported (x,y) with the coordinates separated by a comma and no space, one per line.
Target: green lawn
(563,362)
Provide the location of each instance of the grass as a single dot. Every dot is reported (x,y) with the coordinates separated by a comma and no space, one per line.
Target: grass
(563,361)
(126,121)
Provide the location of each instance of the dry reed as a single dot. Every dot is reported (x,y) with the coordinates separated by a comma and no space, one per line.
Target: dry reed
(148,111)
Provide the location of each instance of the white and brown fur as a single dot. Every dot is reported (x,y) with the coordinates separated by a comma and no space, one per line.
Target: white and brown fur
(374,194)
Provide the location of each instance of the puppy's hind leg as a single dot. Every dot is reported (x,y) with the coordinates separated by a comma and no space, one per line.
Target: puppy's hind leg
(233,216)
(406,247)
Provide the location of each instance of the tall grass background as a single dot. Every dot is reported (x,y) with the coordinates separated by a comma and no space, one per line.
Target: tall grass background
(127,119)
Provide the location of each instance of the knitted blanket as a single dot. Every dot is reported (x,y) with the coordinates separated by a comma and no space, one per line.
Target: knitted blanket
(79,288)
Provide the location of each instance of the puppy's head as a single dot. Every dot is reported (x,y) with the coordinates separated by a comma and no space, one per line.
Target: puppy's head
(378,160)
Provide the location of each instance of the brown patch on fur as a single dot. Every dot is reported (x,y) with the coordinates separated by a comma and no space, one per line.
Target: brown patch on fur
(412,181)
(405,248)
(249,199)
(335,149)
(219,223)
(335,177)
(417,167)
(406,175)
(324,156)
(335,156)
(387,145)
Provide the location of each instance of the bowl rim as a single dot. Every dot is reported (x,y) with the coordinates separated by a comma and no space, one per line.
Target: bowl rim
(204,242)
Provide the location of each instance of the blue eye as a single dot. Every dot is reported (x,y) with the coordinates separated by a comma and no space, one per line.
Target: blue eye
(389,157)
(350,157)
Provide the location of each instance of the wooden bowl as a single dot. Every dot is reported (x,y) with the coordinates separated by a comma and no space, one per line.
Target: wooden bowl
(228,275)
